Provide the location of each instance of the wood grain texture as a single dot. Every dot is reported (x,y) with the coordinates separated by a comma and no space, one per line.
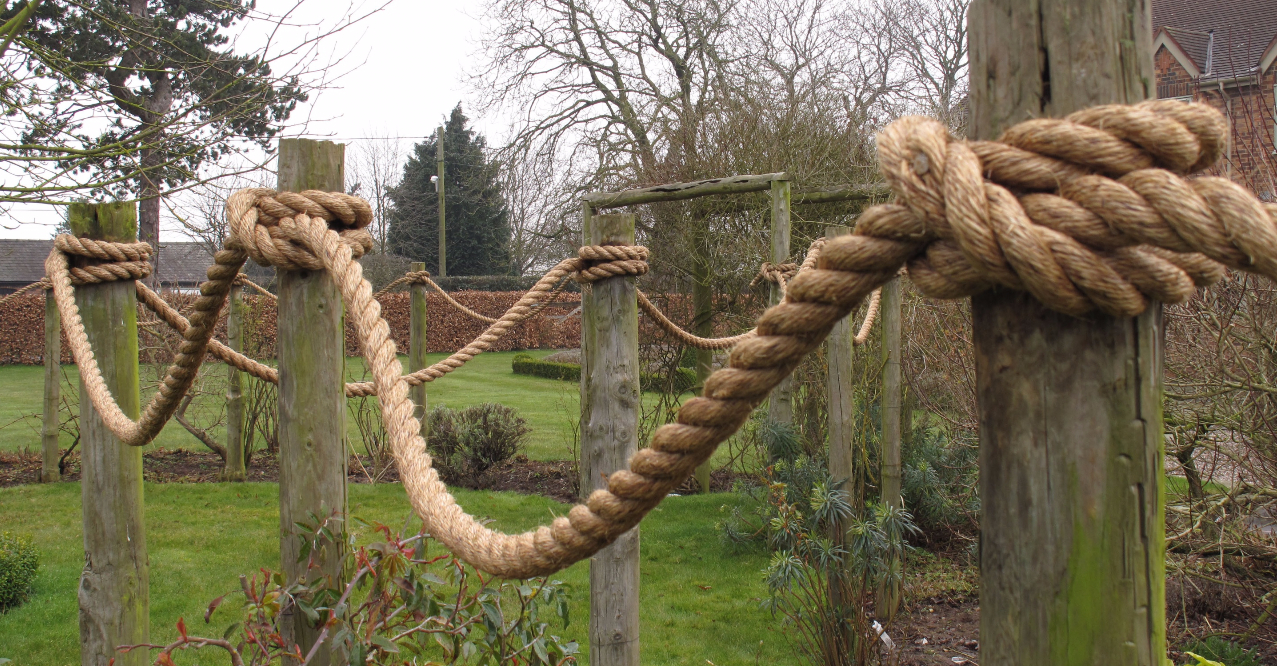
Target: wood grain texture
(49,451)
(235,469)
(842,399)
(417,343)
(114,595)
(683,191)
(312,401)
(1072,533)
(780,406)
(609,436)
(889,319)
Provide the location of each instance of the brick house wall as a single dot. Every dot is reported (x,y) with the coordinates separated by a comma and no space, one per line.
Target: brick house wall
(1249,108)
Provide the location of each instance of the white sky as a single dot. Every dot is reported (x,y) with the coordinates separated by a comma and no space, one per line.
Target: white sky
(408,67)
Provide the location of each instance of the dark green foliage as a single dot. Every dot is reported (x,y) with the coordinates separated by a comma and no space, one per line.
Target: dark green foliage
(939,475)
(794,512)
(467,443)
(19,562)
(1220,650)
(684,379)
(525,364)
(174,68)
(477,219)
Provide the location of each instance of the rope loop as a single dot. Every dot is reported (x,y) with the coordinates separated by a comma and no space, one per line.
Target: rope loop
(599,262)
(99,261)
(1089,212)
(273,227)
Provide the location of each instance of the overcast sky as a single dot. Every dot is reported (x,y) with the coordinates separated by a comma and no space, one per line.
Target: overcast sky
(408,72)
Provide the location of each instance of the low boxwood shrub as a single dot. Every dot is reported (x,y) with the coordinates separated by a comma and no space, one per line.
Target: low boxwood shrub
(18,564)
(525,364)
(466,443)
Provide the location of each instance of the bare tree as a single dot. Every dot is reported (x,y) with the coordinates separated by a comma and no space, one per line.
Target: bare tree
(375,167)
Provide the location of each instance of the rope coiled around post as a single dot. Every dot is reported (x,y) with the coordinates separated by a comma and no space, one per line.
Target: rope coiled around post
(1036,223)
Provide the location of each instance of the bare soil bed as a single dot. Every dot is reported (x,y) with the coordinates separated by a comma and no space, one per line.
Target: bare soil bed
(555,479)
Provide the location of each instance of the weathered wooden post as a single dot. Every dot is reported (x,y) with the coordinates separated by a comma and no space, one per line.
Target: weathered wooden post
(417,343)
(312,400)
(891,393)
(839,352)
(842,421)
(609,436)
(1072,531)
(236,469)
(50,454)
(780,408)
(114,587)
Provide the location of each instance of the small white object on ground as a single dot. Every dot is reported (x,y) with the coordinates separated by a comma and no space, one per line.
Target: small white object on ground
(886,640)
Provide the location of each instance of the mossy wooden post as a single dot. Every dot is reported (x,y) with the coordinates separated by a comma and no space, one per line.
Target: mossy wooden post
(609,436)
(417,343)
(49,451)
(842,421)
(1072,531)
(114,595)
(312,400)
(780,408)
(839,351)
(235,469)
(891,393)
(702,316)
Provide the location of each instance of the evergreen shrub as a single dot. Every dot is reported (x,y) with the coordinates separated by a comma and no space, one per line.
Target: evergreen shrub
(18,564)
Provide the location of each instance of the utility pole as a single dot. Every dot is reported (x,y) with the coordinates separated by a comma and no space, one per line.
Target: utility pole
(440,172)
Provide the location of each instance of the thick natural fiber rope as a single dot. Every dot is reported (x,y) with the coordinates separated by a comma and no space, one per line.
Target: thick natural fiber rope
(941,211)
(697,342)
(43,283)
(243,281)
(871,314)
(590,262)
(423,277)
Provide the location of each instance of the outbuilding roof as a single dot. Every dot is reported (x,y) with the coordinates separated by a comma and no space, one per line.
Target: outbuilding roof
(1218,39)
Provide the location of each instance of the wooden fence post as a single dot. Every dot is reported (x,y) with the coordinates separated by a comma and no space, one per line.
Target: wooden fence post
(312,400)
(891,416)
(114,587)
(50,453)
(842,428)
(417,344)
(780,408)
(236,469)
(1072,531)
(609,436)
(842,399)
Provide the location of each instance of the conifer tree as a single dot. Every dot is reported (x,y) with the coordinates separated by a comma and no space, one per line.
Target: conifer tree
(477,218)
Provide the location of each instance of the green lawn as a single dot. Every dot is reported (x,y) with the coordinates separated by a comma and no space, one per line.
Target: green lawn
(700,601)
(550,406)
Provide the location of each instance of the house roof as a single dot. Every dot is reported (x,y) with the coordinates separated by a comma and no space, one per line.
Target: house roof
(22,262)
(1222,38)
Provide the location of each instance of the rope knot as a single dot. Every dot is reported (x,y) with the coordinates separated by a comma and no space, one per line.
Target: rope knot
(599,262)
(284,229)
(780,274)
(1089,212)
(104,261)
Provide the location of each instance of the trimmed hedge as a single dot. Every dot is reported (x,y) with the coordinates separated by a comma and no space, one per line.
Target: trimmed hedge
(19,562)
(525,364)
